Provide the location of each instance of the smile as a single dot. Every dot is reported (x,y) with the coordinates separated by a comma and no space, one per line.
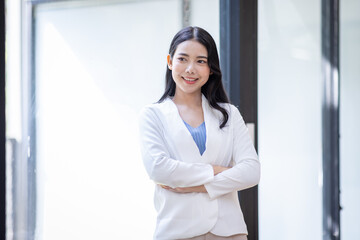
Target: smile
(190,80)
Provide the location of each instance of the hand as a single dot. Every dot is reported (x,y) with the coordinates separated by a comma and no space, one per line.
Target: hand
(219,169)
(198,189)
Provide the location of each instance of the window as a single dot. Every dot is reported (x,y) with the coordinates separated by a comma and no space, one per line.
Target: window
(88,68)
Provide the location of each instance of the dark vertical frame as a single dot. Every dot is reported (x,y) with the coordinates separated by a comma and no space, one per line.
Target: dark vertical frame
(238,54)
(230,47)
(2,125)
(330,119)
(28,151)
(31,160)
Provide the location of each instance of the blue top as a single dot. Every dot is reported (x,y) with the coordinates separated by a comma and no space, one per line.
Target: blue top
(199,135)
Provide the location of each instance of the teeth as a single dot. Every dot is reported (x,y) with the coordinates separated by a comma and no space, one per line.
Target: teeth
(191,80)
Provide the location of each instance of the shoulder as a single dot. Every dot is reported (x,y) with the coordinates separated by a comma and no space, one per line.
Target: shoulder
(234,117)
(234,113)
(153,112)
(231,109)
(234,110)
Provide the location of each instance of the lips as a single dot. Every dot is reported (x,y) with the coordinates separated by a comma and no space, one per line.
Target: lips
(189,80)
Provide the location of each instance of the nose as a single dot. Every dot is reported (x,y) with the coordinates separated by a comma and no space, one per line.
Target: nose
(190,68)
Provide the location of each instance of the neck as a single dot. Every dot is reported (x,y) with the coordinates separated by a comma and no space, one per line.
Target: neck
(193,99)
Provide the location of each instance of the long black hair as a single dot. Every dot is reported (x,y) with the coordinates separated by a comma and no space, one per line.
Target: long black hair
(213,89)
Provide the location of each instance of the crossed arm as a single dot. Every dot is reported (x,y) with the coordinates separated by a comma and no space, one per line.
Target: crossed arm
(186,177)
(200,188)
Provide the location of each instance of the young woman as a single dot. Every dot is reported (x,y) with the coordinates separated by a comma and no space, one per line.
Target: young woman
(196,147)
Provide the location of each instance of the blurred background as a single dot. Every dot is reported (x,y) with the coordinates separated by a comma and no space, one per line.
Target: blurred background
(78,72)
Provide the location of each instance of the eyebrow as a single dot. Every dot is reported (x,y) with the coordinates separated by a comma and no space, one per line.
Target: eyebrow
(186,55)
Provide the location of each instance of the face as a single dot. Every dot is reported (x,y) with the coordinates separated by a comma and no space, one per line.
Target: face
(190,68)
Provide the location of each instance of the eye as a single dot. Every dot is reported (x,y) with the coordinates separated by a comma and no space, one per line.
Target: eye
(181,59)
(202,61)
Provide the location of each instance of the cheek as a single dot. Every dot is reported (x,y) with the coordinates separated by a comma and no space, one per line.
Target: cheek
(175,73)
(177,68)
(205,72)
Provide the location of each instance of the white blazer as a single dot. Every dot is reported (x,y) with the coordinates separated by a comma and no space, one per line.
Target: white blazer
(171,157)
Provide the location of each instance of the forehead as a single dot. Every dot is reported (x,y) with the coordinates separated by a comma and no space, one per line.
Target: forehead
(191,48)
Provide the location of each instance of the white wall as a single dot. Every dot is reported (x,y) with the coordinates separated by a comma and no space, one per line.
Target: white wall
(350,118)
(206,14)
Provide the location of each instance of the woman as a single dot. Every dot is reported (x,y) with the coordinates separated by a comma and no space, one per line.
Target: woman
(196,147)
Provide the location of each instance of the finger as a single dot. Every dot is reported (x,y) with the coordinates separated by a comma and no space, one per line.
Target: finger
(180,190)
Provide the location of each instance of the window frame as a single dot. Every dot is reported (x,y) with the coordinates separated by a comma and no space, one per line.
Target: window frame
(2,125)
(238,55)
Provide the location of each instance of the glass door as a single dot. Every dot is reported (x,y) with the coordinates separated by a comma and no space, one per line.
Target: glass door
(96,65)
(289,120)
(75,170)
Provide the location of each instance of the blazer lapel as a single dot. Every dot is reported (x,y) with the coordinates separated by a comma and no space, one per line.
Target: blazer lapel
(213,133)
(180,139)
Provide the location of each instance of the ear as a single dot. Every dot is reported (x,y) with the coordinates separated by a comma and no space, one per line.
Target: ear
(169,62)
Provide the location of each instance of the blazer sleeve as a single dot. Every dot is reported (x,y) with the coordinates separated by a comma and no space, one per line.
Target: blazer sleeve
(246,171)
(160,167)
